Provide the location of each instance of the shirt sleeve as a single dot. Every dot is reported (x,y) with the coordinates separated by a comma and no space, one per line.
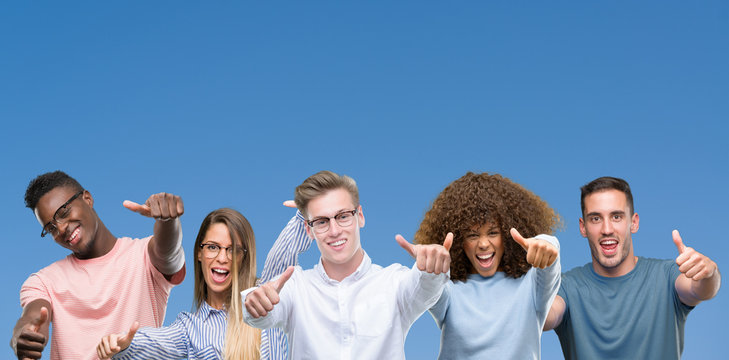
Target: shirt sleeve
(291,242)
(546,282)
(169,342)
(33,289)
(419,291)
(440,309)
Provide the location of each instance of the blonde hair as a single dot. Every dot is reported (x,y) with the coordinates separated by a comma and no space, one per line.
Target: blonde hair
(319,184)
(241,340)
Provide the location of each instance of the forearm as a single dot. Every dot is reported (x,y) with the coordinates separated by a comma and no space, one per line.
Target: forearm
(706,288)
(285,251)
(165,249)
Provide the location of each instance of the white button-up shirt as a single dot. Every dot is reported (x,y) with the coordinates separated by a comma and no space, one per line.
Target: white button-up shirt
(364,316)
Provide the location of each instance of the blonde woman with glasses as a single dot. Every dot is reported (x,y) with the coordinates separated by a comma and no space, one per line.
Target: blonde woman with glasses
(225,264)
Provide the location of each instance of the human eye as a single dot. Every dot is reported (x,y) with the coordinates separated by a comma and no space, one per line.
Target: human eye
(212,247)
(617,217)
(50,229)
(594,219)
(319,222)
(343,216)
(471,236)
(63,212)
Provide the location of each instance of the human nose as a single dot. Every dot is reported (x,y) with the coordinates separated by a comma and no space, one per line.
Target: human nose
(483,242)
(222,255)
(334,227)
(607,227)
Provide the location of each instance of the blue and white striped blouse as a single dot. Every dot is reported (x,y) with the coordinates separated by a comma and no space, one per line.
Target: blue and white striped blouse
(292,241)
(202,335)
(199,335)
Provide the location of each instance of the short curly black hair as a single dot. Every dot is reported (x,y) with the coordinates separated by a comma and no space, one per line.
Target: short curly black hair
(476,199)
(44,183)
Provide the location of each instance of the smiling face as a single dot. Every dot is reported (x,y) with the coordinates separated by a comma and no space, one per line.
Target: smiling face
(608,225)
(217,270)
(78,230)
(484,248)
(341,252)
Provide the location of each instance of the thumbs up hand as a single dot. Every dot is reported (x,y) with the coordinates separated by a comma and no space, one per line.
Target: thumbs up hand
(262,300)
(30,341)
(162,206)
(540,253)
(114,343)
(691,263)
(432,258)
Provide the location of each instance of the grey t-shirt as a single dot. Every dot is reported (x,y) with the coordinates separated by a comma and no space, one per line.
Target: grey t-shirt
(635,316)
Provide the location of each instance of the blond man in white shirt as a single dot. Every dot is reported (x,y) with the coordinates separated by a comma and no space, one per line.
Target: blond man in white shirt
(346,307)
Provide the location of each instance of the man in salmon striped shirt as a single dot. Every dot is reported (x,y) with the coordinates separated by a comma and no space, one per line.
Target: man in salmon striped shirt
(107,283)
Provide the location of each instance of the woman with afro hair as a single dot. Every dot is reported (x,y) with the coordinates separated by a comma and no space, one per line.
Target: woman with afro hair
(503,283)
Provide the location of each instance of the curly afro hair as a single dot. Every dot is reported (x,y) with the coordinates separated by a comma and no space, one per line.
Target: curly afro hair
(476,199)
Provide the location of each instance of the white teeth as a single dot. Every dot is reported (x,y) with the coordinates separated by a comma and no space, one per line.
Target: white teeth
(337,243)
(73,236)
(220,271)
(609,242)
(484,257)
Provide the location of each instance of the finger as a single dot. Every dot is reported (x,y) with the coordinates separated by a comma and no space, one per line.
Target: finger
(410,248)
(261,303)
(180,205)
(250,306)
(164,201)
(279,283)
(99,352)
(42,319)
(519,239)
(113,344)
(448,241)
(289,203)
(105,344)
(153,203)
(678,241)
(531,255)
(171,206)
(127,339)
(445,263)
(430,257)
(137,208)
(270,299)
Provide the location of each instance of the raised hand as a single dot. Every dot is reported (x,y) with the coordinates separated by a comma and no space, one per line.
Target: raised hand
(691,263)
(540,253)
(162,206)
(432,258)
(289,203)
(260,301)
(31,341)
(114,343)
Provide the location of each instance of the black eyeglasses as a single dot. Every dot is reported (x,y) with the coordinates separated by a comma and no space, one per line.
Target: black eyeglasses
(211,251)
(59,217)
(321,224)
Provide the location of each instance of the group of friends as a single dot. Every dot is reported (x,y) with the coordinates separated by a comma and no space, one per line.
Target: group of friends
(486,267)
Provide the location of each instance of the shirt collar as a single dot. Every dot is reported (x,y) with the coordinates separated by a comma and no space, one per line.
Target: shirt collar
(205,311)
(362,269)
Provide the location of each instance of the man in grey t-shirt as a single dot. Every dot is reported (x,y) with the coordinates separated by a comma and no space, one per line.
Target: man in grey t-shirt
(620,305)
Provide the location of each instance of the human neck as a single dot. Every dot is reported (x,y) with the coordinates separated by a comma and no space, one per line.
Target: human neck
(623,269)
(339,272)
(102,243)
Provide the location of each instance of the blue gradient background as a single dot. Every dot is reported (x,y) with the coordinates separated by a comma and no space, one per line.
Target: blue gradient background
(234,104)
